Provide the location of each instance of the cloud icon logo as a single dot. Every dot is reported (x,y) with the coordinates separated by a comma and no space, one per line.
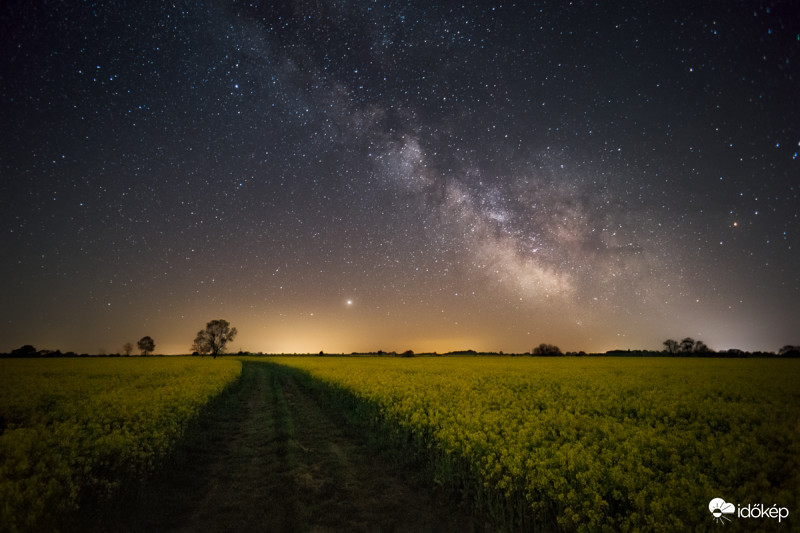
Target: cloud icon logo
(719,508)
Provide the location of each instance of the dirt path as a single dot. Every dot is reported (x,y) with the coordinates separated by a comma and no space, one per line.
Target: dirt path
(270,457)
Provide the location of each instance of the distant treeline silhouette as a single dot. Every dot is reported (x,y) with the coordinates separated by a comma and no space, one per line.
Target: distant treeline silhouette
(30,351)
(146,345)
(685,348)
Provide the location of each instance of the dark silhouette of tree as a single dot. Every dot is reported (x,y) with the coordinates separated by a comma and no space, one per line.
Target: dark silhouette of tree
(672,346)
(546,349)
(700,347)
(214,338)
(687,345)
(146,345)
(200,346)
(789,351)
(127,348)
(24,351)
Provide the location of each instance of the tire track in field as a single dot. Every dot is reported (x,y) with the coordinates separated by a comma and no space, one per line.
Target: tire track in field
(271,456)
(251,485)
(342,485)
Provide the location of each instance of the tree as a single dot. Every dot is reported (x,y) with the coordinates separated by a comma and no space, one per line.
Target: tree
(146,345)
(546,349)
(672,346)
(24,351)
(700,347)
(687,345)
(127,348)
(214,338)
(200,346)
(789,351)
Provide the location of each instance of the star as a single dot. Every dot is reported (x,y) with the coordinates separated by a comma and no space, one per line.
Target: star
(250,163)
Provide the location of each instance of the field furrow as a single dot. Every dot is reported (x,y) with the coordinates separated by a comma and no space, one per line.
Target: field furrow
(271,455)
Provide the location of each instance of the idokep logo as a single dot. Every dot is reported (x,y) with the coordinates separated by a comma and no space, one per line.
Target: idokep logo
(719,508)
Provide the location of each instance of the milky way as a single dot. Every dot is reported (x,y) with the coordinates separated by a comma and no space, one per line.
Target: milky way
(353,176)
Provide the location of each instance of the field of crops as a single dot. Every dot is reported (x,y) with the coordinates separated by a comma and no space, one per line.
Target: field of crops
(591,444)
(71,427)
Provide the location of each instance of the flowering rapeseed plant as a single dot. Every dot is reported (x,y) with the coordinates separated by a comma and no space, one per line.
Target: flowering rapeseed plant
(592,444)
(76,426)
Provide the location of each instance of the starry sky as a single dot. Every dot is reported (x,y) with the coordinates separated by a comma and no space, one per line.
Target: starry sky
(359,175)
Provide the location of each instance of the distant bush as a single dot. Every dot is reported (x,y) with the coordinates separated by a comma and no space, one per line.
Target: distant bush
(24,351)
(546,349)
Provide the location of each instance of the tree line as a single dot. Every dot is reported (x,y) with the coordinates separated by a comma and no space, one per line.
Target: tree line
(146,346)
(687,345)
(212,340)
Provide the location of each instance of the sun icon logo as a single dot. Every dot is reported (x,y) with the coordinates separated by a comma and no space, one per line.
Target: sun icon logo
(719,508)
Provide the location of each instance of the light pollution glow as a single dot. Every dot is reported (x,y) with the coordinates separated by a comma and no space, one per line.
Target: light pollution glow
(468,176)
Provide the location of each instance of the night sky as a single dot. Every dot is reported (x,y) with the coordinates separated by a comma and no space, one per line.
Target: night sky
(357,175)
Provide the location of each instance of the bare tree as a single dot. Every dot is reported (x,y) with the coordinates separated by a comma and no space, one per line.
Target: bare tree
(127,348)
(214,338)
(146,345)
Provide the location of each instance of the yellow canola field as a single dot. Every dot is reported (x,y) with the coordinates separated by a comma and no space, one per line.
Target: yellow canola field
(71,427)
(598,444)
